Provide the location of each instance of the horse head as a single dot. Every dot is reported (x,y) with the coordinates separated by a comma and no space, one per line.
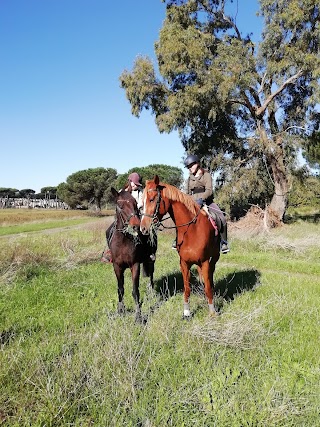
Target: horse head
(127,214)
(155,205)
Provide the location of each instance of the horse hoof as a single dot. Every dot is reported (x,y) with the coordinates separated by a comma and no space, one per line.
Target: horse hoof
(139,318)
(213,314)
(187,318)
(121,308)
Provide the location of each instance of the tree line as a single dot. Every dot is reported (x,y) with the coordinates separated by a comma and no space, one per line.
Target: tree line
(91,188)
(28,193)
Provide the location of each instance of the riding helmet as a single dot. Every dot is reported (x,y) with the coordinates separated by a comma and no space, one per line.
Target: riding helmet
(192,158)
(135,178)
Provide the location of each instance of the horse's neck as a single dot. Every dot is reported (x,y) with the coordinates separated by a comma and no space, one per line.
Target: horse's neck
(180,213)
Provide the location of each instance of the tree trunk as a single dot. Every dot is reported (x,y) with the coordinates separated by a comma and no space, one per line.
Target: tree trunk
(275,160)
(278,206)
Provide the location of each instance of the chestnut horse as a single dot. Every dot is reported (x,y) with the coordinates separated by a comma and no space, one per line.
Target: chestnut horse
(197,240)
(129,248)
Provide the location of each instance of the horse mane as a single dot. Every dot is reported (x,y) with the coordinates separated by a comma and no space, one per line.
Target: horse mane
(174,194)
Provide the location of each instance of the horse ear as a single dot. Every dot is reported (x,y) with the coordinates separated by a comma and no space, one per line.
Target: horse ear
(114,193)
(156,179)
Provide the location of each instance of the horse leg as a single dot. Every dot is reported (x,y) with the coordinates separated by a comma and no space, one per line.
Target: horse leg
(148,270)
(207,274)
(151,272)
(119,272)
(135,273)
(185,270)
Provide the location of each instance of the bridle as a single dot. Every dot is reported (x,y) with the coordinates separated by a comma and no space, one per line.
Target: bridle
(159,222)
(124,219)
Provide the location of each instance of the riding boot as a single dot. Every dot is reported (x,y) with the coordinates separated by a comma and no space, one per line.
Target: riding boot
(106,256)
(224,240)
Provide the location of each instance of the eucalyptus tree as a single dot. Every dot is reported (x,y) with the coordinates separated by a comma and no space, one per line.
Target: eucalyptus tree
(241,105)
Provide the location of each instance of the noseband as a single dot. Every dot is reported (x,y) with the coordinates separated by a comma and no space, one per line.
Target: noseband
(154,216)
(124,219)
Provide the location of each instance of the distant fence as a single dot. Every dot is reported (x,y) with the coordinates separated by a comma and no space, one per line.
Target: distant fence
(26,203)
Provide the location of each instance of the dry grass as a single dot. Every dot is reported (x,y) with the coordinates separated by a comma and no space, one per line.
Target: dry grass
(60,248)
(251,225)
(236,330)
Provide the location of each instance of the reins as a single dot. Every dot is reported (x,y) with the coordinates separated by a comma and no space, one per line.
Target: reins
(159,223)
(120,217)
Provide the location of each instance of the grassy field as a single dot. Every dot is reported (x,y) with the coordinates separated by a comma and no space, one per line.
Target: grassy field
(67,358)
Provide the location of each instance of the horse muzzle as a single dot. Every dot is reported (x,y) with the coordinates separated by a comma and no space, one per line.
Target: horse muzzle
(144,230)
(134,223)
(145,224)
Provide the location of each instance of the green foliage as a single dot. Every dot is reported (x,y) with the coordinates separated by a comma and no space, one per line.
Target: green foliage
(169,174)
(50,192)
(8,192)
(87,187)
(230,98)
(239,189)
(312,149)
(28,192)
(305,190)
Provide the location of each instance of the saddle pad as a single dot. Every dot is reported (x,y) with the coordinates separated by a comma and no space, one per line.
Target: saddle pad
(211,219)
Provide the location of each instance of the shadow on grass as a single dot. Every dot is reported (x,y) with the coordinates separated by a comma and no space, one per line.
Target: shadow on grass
(236,283)
(290,219)
(226,289)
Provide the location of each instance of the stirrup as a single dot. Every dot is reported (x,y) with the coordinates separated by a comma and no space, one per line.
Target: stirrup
(224,248)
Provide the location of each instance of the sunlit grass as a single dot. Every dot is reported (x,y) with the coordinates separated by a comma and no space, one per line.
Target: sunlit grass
(25,228)
(67,358)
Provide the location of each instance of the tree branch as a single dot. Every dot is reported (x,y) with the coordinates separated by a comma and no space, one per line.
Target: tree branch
(255,96)
(259,111)
(262,83)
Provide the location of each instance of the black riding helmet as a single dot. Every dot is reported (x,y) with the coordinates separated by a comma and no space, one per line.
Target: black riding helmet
(192,158)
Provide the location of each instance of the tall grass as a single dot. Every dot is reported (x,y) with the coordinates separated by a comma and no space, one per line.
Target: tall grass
(67,358)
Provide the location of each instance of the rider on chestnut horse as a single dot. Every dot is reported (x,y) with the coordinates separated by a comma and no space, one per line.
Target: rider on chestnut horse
(199,187)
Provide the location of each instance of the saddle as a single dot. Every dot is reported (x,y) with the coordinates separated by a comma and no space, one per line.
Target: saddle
(213,218)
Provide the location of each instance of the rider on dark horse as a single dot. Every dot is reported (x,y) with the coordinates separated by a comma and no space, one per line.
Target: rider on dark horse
(136,189)
(199,187)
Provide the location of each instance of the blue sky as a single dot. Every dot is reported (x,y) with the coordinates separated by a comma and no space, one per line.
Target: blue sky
(61,106)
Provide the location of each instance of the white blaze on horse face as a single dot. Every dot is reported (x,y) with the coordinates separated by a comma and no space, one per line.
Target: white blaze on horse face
(143,217)
(144,207)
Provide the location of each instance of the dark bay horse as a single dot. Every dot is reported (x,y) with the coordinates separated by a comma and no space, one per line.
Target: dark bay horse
(197,240)
(129,248)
